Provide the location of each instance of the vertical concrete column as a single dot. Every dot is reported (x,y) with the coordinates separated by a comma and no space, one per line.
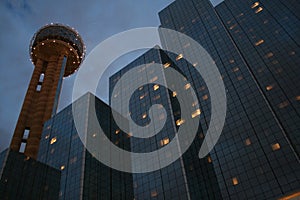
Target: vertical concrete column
(40,111)
(52,94)
(23,120)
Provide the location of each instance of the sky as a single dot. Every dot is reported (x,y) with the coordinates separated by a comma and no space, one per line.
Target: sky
(95,20)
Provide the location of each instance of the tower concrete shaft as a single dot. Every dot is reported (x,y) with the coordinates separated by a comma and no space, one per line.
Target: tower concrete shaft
(56,51)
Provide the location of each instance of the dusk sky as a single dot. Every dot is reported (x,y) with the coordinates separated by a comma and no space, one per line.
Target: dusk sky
(95,21)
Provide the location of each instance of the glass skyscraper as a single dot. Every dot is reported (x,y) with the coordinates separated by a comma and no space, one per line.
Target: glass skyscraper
(254,45)
(82,175)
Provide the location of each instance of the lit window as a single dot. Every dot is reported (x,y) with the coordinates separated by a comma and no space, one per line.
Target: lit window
(174,94)
(269,87)
(144,115)
(259,42)
(153,79)
(240,78)
(153,193)
(164,141)
(231,61)
(233,26)
(179,56)
(94,135)
(140,88)
(53,140)
(47,136)
(117,131)
(235,181)
(156,87)
(141,97)
(195,103)
(195,64)
(298,98)
(180,122)
(275,146)
(187,86)
(166,65)
(62,167)
(247,141)
(209,159)
(196,113)
(202,88)
(269,55)
(283,104)
(258,10)
(291,196)
(255,5)
(187,45)
(156,97)
(205,97)
(235,69)
(292,53)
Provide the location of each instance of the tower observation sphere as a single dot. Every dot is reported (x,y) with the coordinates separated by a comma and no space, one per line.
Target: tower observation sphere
(56,51)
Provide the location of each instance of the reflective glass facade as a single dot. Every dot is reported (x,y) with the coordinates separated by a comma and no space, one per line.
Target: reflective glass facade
(25,178)
(254,45)
(82,175)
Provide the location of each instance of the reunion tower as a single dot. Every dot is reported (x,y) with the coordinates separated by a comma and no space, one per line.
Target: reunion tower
(56,51)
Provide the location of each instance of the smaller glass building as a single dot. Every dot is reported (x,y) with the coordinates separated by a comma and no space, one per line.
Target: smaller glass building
(25,178)
(82,175)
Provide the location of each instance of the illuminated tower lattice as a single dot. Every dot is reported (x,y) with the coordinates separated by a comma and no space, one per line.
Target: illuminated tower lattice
(56,51)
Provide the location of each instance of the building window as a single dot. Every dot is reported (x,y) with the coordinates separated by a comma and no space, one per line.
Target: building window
(235,181)
(174,94)
(180,122)
(259,42)
(247,142)
(164,141)
(205,97)
(187,86)
(62,167)
(141,97)
(269,87)
(293,196)
(269,55)
(209,159)
(154,193)
(187,45)
(255,5)
(179,57)
(258,9)
(235,69)
(166,65)
(275,146)
(196,113)
(156,97)
(297,98)
(156,87)
(240,78)
(53,140)
(283,104)
(153,79)
(144,116)
(38,87)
